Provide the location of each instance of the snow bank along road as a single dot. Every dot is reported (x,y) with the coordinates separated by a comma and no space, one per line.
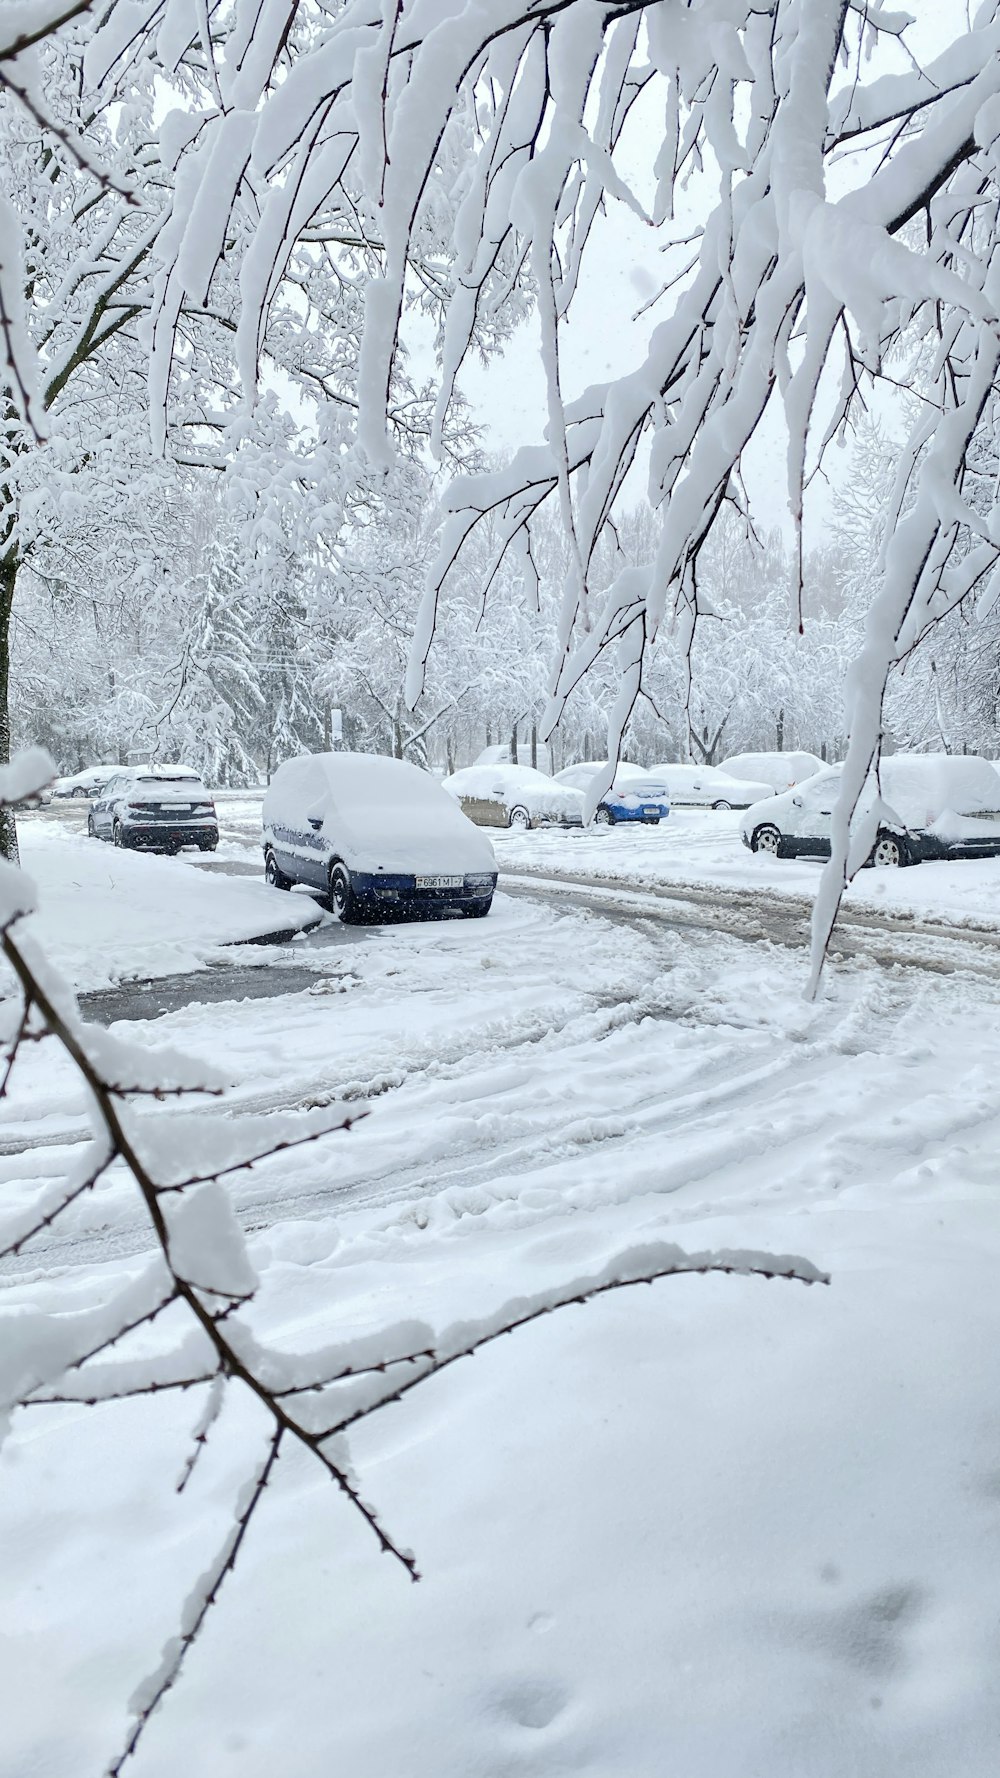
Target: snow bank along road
(748,1526)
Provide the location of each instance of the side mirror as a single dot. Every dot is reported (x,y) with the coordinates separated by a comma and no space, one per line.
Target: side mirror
(796,802)
(315,821)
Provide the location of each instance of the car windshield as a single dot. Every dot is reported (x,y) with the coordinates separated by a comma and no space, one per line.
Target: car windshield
(146,785)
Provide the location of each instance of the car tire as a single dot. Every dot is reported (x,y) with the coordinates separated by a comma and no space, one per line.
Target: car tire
(118,836)
(888,852)
(344,904)
(722,804)
(766,839)
(207,845)
(79,792)
(91,829)
(519,818)
(478,913)
(603,817)
(272,874)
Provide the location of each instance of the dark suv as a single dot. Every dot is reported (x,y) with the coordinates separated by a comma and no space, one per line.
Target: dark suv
(157,809)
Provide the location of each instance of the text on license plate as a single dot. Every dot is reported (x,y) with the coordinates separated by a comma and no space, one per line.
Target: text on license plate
(439,882)
(651,811)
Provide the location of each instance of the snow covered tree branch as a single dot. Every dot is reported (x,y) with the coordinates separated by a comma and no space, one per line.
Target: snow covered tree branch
(853,197)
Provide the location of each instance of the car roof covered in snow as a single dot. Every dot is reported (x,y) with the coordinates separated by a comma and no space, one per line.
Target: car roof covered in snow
(921,787)
(780,770)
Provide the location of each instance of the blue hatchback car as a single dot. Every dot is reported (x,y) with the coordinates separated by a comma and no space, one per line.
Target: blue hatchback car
(634,796)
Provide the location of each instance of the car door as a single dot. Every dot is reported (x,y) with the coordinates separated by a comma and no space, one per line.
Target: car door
(101,810)
(302,848)
(483,811)
(813,807)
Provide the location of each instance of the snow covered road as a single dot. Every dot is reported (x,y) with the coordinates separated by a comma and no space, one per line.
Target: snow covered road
(747,1526)
(543,1058)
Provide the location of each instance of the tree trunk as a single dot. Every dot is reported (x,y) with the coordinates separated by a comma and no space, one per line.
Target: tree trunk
(8,582)
(327,727)
(513,745)
(781,731)
(534,747)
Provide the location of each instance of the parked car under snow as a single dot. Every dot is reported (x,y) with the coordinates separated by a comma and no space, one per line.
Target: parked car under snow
(927,805)
(377,835)
(708,787)
(635,795)
(86,783)
(514,796)
(780,770)
(155,809)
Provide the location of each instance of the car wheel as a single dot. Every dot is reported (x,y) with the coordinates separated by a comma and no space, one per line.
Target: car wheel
(887,852)
(604,817)
(207,845)
(519,818)
(91,829)
(79,791)
(118,836)
(343,901)
(273,875)
(722,804)
(766,839)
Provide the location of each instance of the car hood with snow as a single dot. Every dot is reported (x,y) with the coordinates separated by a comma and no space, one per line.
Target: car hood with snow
(379,814)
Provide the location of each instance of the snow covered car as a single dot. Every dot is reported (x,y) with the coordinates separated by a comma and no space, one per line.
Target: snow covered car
(514,796)
(501,756)
(636,795)
(87,783)
(155,809)
(708,787)
(377,835)
(779,770)
(931,805)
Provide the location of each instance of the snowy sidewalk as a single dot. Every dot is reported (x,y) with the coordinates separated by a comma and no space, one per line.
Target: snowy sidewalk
(106,915)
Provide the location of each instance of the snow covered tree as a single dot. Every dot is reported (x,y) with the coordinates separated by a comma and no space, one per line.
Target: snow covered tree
(855,195)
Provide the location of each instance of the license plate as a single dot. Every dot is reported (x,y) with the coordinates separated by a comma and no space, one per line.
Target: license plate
(439,882)
(652,811)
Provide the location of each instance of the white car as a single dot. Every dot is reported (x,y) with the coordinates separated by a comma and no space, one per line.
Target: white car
(87,783)
(930,805)
(779,770)
(708,787)
(377,835)
(514,796)
(155,809)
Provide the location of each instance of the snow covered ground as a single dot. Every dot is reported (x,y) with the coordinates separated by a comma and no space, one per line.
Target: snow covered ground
(717,1526)
(703,847)
(106,915)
